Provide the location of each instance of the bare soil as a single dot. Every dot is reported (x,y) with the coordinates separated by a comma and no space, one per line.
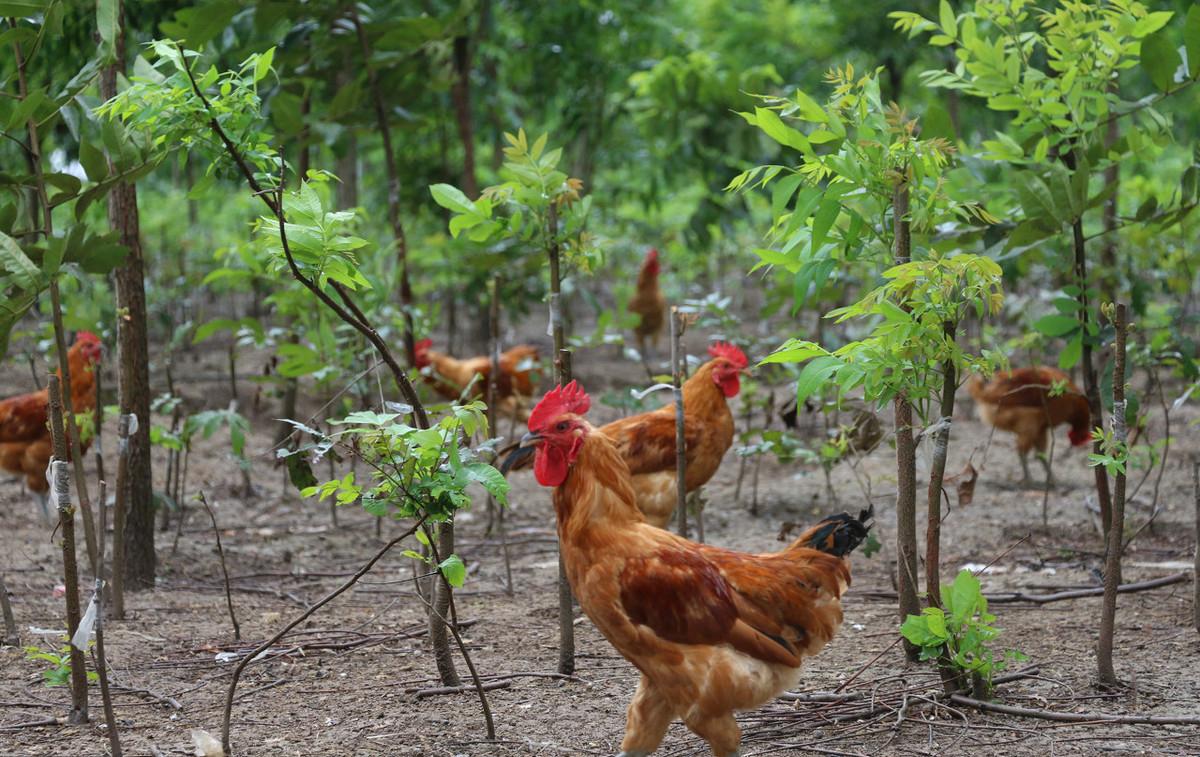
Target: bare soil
(348,682)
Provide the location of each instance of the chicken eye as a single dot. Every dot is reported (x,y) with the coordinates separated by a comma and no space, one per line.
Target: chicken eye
(562,426)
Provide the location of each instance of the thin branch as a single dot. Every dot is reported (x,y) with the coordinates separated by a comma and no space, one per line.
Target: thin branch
(251,656)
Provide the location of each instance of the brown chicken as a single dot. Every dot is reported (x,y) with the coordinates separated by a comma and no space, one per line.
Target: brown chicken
(450,376)
(712,631)
(646,442)
(648,303)
(25,447)
(1020,401)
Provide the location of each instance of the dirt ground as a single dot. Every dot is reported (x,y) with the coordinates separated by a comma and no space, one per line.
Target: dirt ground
(349,681)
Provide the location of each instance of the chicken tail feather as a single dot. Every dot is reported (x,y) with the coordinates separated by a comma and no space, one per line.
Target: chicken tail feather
(518,458)
(838,534)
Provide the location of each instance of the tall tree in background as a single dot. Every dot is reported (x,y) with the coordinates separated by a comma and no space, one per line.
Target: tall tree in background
(133,377)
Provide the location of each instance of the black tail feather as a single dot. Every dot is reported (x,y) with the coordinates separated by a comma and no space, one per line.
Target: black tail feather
(839,534)
(517,457)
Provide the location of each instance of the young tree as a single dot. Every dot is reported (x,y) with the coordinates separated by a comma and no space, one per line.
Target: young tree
(1059,73)
(864,185)
(133,375)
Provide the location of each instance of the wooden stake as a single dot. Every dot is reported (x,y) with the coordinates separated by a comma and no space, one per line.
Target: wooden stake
(1116,529)
(110,719)
(124,423)
(494,352)
(678,326)
(906,449)
(1196,559)
(11,637)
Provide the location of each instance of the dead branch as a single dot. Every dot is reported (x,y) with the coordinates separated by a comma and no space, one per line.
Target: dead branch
(1072,717)
(237,631)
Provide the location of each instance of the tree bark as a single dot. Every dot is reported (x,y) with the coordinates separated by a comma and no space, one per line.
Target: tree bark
(133,377)
(906,451)
(562,372)
(60,483)
(1116,530)
(677,360)
(438,632)
(460,95)
(1196,558)
(937,470)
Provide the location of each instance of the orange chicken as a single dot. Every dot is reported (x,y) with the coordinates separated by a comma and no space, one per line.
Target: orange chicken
(646,442)
(25,447)
(712,631)
(450,376)
(1020,401)
(649,304)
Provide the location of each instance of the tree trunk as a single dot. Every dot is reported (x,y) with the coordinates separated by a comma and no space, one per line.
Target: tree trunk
(60,484)
(562,372)
(133,377)
(1196,557)
(393,189)
(460,94)
(937,470)
(1091,383)
(906,452)
(438,630)
(1116,530)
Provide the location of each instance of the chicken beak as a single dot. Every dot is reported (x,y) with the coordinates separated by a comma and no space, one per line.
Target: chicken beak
(531,440)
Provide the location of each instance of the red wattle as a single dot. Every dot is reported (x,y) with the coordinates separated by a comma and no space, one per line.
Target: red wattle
(550,466)
(731,385)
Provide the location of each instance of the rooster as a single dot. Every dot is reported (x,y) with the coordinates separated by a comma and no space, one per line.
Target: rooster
(646,442)
(451,377)
(649,304)
(712,631)
(25,446)
(1020,401)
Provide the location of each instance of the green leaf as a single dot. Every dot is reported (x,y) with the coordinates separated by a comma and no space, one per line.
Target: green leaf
(815,374)
(1056,325)
(106,21)
(823,220)
(1070,356)
(1191,39)
(490,479)
(1151,23)
(454,570)
(262,66)
(1160,59)
(93,161)
(794,351)
(451,198)
(14,260)
(963,597)
(23,8)
(947,20)
(770,122)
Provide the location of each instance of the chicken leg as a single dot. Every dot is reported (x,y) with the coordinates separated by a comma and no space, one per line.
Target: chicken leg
(647,720)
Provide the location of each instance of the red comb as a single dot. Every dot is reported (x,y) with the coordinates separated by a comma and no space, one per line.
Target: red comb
(423,345)
(561,399)
(86,336)
(729,352)
(652,254)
